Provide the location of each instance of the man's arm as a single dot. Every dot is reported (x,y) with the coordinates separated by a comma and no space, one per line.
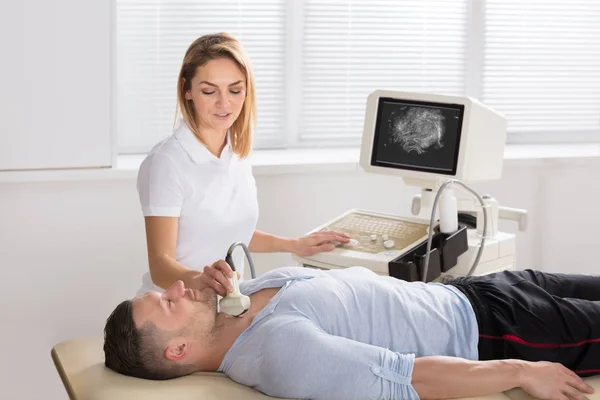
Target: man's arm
(300,360)
(450,377)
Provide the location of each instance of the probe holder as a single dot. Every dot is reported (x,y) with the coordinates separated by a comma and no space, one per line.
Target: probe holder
(445,250)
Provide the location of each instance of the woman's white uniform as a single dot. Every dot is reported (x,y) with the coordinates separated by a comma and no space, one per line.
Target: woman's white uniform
(214,198)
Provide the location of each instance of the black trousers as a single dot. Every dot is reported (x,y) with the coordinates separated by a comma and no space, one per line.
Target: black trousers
(536,316)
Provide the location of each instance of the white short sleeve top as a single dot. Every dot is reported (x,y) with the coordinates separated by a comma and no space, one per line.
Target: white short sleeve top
(214,198)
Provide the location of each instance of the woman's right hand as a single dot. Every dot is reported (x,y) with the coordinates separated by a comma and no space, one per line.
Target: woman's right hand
(215,276)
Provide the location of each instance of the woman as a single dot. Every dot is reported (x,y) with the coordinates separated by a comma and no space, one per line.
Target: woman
(196,188)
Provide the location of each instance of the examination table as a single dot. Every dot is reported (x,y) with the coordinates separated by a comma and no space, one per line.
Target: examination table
(80,364)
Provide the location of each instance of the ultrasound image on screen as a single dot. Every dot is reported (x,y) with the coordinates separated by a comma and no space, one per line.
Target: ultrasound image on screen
(418,136)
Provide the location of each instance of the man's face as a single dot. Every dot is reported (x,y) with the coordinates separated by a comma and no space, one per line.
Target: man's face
(182,312)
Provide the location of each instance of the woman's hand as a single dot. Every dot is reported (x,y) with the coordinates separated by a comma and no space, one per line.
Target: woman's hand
(553,381)
(215,276)
(318,242)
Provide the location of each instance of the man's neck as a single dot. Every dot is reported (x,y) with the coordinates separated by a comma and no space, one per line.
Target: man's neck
(228,329)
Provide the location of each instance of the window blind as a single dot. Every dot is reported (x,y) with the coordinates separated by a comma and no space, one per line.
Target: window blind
(351,48)
(542,68)
(152,37)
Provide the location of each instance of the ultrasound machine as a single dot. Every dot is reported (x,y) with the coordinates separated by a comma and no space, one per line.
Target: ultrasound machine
(440,145)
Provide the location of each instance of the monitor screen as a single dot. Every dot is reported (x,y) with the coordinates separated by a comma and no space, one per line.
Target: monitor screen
(417,135)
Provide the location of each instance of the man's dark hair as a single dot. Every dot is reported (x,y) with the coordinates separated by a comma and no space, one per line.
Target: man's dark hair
(137,352)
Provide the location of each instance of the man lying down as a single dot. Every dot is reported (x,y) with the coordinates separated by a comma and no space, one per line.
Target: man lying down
(351,334)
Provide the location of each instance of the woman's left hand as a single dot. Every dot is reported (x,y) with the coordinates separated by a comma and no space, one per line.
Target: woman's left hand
(318,242)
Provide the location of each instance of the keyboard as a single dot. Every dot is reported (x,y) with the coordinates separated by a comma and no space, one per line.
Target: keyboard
(374,233)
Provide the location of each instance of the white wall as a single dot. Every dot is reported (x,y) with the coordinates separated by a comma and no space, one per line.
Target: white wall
(70,251)
(55,75)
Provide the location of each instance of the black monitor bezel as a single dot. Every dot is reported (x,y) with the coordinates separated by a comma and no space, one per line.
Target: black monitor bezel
(374,162)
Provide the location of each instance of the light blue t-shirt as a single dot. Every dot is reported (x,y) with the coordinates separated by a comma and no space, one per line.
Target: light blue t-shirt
(347,334)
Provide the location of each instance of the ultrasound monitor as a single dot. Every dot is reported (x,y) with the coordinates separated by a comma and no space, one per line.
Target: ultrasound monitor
(427,138)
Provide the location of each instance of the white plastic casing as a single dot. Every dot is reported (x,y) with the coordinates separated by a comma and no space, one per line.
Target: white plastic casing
(482,141)
(234,303)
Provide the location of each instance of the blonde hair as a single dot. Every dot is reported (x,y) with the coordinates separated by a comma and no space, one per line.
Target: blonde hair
(201,51)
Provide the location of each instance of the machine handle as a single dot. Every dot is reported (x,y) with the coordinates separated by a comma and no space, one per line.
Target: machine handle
(514,214)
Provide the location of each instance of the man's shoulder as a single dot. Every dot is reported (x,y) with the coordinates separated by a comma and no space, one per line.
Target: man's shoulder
(292,272)
(283,329)
(274,336)
(264,355)
(277,278)
(298,271)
